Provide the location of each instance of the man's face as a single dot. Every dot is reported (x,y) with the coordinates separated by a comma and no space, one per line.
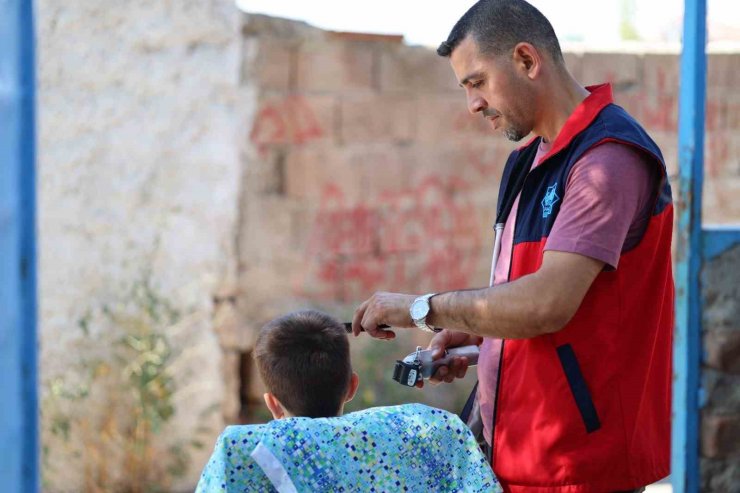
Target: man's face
(494,89)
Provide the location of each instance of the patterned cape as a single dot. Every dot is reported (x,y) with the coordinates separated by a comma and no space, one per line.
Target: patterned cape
(412,448)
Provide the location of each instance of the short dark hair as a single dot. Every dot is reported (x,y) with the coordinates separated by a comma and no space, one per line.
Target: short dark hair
(498,25)
(304,360)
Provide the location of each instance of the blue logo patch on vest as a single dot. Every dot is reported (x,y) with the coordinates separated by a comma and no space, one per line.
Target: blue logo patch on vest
(550,199)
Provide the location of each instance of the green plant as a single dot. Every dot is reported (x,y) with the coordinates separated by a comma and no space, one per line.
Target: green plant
(109,410)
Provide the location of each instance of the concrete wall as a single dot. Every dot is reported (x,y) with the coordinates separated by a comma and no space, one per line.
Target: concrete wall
(140,109)
(246,167)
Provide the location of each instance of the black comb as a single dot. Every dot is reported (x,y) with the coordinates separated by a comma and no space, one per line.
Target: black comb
(348,327)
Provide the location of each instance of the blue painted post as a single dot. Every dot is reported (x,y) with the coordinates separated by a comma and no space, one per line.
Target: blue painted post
(19,470)
(687,340)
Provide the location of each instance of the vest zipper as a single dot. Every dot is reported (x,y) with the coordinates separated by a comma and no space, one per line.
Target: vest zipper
(503,341)
(495,403)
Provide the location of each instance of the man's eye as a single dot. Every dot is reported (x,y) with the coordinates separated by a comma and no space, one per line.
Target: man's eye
(476,85)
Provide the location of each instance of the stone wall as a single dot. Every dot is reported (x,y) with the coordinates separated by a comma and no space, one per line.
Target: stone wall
(720,420)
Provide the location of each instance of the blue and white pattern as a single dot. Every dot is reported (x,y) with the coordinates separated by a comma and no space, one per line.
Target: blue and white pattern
(551,198)
(412,448)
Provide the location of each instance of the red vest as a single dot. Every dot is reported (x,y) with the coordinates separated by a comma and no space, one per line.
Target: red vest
(588,408)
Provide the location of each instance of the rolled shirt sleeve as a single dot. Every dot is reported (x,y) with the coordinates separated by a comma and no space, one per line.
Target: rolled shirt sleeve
(607,203)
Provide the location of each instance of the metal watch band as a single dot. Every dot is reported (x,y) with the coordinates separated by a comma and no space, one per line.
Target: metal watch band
(422,323)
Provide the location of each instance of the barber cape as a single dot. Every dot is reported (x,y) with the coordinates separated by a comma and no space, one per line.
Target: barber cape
(412,448)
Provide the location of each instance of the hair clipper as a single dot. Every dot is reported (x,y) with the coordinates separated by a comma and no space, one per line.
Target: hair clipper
(419,365)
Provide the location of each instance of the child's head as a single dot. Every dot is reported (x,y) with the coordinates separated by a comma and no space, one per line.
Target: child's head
(303,358)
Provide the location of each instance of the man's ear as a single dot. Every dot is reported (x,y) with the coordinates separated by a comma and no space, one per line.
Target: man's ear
(274,405)
(354,382)
(527,60)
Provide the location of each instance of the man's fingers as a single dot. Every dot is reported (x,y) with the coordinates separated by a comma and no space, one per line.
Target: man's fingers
(383,334)
(357,319)
(459,366)
(439,375)
(439,352)
(369,322)
(439,342)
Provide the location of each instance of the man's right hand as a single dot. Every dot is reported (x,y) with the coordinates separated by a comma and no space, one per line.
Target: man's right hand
(459,366)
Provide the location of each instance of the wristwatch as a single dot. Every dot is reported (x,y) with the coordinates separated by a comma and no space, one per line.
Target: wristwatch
(419,311)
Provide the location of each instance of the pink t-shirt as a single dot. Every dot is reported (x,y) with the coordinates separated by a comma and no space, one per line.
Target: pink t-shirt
(606,208)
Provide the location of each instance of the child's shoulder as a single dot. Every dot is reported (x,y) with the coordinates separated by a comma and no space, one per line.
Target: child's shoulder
(399,419)
(411,409)
(241,434)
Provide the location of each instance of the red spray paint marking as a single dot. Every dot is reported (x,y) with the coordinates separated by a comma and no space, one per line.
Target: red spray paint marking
(289,121)
(426,236)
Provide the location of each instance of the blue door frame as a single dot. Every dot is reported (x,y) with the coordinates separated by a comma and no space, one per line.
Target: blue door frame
(695,246)
(19,469)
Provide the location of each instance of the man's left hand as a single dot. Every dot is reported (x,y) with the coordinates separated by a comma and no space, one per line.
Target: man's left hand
(383,309)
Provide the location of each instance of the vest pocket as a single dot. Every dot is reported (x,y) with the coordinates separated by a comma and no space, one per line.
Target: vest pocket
(578,387)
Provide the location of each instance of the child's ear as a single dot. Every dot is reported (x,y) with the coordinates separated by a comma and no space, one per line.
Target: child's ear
(354,382)
(274,406)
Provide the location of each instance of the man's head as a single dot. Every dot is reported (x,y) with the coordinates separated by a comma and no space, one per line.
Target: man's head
(501,51)
(304,361)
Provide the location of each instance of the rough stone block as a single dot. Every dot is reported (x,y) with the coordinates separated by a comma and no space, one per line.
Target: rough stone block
(415,70)
(722,350)
(269,63)
(385,171)
(226,317)
(719,476)
(322,175)
(445,118)
(721,391)
(574,63)
(293,120)
(265,226)
(723,71)
(230,370)
(660,72)
(730,112)
(721,291)
(720,436)
(336,67)
(377,118)
(620,69)
(656,110)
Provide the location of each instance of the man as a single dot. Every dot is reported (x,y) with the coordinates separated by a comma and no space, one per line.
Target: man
(304,361)
(575,332)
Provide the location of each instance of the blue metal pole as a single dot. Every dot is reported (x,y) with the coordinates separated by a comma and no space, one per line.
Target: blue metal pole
(19,471)
(687,338)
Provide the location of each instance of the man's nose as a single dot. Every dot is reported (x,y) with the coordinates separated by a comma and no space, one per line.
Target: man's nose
(476,104)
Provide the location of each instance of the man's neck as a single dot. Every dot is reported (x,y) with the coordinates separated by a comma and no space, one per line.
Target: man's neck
(563,97)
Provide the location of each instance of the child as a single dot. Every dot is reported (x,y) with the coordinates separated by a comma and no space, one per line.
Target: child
(305,364)
(304,361)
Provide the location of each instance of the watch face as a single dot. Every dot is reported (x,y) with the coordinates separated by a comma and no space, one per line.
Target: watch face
(419,309)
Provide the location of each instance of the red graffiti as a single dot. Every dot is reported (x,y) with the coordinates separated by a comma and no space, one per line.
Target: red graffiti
(485,162)
(424,237)
(290,121)
(658,109)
